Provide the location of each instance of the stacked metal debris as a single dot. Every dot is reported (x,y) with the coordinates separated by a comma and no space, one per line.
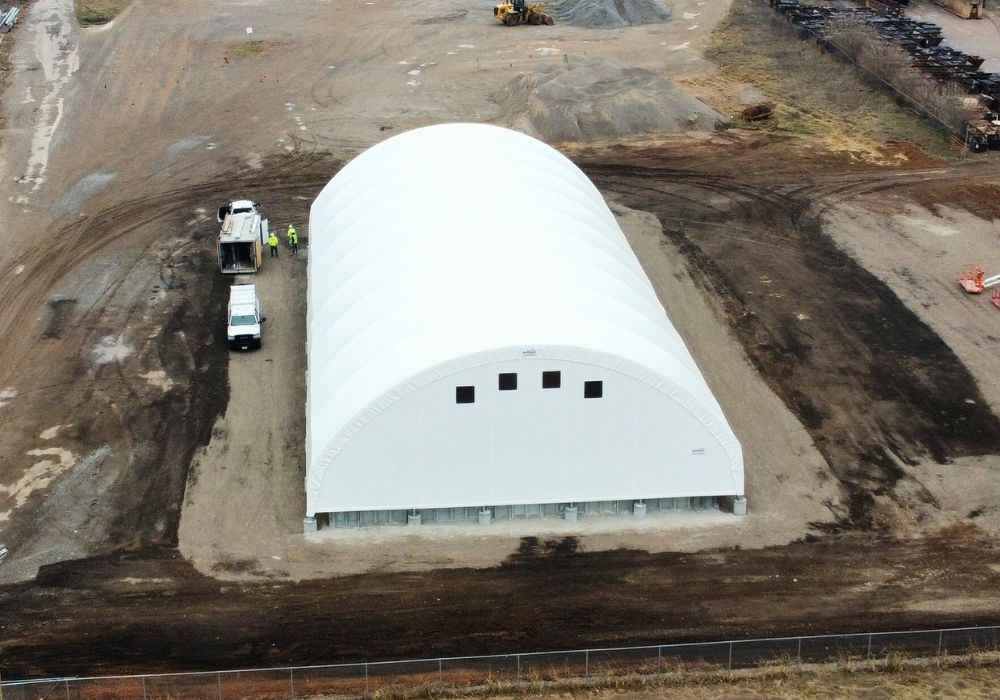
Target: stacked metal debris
(8,17)
(922,41)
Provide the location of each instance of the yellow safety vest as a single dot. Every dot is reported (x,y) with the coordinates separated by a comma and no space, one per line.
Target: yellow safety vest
(273,241)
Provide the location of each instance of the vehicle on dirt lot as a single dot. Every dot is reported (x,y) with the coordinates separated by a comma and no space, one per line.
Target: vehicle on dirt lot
(244,324)
(242,237)
(515,12)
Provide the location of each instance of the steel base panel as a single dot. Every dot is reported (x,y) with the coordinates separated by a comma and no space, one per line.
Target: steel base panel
(431,516)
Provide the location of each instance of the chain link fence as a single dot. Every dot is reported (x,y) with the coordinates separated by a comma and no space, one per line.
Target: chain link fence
(367,678)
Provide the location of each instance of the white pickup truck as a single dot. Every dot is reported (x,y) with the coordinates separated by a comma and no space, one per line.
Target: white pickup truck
(242,237)
(244,326)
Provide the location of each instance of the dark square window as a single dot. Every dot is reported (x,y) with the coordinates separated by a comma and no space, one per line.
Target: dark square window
(465,394)
(508,381)
(551,380)
(593,390)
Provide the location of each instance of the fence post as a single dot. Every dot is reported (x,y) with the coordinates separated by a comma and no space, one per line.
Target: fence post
(440,672)
(800,650)
(366,678)
(940,640)
(219,676)
(730,655)
(291,679)
(66,681)
(659,658)
(518,666)
(143,688)
(586,662)
(869,645)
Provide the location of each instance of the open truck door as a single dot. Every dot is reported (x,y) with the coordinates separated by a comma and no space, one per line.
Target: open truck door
(223,211)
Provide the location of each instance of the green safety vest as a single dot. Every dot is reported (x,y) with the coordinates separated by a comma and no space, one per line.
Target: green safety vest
(273,241)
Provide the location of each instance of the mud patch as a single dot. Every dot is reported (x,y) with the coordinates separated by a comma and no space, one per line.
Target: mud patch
(79,618)
(61,311)
(75,196)
(610,14)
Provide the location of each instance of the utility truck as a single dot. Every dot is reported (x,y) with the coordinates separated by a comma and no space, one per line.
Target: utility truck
(244,325)
(242,237)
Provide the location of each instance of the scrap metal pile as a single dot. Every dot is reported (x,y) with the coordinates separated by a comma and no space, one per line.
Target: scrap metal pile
(8,18)
(922,41)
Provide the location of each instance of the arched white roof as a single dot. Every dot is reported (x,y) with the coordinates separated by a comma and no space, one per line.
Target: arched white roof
(455,244)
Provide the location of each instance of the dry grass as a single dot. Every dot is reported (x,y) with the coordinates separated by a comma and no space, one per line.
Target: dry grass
(93,12)
(889,63)
(962,677)
(815,94)
(249,49)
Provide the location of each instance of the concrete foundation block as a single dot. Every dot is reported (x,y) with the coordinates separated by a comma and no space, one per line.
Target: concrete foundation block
(485,517)
(639,511)
(570,514)
(413,519)
(309,524)
(740,505)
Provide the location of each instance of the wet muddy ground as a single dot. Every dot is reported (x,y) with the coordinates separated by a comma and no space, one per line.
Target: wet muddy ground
(151,610)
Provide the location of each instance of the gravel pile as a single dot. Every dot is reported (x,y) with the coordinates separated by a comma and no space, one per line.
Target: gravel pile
(592,99)
(609,13)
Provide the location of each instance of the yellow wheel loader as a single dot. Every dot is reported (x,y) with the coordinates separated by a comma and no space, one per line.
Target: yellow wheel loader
(514,12)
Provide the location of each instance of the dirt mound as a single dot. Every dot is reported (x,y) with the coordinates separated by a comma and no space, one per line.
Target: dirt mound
(610,13)
(593,99)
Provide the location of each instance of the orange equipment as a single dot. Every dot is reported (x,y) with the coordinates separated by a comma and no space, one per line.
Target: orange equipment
(996,297)
(972,278)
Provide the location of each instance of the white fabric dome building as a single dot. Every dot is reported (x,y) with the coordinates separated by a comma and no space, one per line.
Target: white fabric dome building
(482,339)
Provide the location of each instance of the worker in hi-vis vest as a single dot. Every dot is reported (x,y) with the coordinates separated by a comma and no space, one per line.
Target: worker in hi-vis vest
(293,240)
(291,232)
(272,241)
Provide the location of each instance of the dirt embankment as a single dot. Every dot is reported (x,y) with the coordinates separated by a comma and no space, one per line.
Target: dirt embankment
(151,610)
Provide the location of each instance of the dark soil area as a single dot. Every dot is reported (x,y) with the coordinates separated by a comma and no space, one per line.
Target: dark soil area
(874,385)
(150,610)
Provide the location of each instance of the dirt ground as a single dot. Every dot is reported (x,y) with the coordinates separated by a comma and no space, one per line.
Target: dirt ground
(151,482)
(787,486)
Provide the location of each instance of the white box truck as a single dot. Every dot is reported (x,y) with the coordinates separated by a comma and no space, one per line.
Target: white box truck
(242,237)
(244,324)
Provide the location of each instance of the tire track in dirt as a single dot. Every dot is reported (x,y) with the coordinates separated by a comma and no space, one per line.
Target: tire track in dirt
(27,280)
(874,386)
